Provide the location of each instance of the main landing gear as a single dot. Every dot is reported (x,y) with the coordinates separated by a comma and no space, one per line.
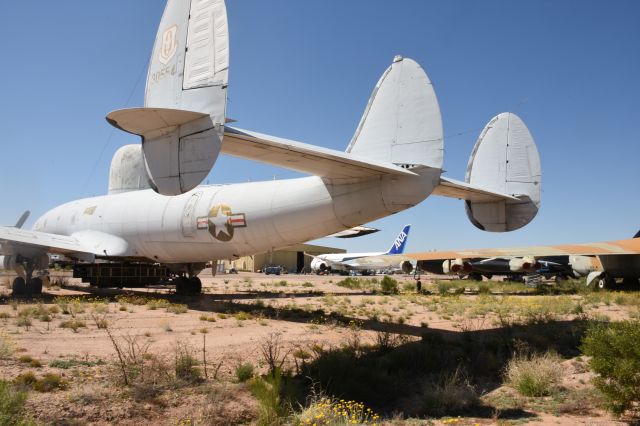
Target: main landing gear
(33,286)
(188,285)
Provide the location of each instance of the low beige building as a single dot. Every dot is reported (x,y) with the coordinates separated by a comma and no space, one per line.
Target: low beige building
(292,258)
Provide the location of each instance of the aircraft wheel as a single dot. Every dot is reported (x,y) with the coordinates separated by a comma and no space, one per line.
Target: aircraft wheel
(195,285)
(19,286)
(606,283)
(34,286)
(182,285)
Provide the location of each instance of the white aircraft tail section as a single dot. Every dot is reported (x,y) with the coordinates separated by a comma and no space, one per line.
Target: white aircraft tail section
(402,122)
(504,160)
(182,123)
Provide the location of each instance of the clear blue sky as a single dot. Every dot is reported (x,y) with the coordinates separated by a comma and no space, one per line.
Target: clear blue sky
(305,69)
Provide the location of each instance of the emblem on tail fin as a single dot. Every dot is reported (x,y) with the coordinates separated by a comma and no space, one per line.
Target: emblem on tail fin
(169,45)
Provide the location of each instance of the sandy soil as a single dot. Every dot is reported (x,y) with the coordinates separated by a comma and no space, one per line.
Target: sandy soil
(230,339)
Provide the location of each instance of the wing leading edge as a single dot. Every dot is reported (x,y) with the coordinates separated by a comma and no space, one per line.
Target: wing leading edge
(302,157)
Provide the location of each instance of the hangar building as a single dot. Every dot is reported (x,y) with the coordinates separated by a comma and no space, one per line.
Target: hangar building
(292,258)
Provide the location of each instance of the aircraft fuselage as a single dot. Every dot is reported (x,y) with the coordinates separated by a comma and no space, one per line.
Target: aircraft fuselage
(226,221)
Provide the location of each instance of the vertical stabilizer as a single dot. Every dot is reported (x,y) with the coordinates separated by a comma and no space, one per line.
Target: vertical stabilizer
(401,240)
(189,65)
(505,160)
(402,122)
(182,123)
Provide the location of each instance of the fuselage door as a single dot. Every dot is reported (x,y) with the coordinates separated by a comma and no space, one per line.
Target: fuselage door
(189,215)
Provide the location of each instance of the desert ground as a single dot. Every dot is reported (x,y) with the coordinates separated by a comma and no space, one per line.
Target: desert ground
(304,349)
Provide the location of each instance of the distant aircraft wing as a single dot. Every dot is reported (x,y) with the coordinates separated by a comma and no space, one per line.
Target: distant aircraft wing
(14,241)
(464,191)
(620,247)
(303,157)
(357,231)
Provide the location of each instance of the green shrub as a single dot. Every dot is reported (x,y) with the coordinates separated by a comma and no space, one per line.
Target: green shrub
(538,375)
(350,282)
(186,365)
(444,287)
(616,358)
(389,285)
(244,372)
(11,405)
(73,324)
(273,408)
(25,380)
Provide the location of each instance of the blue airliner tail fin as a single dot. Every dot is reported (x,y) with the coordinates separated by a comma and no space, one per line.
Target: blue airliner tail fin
(401,240)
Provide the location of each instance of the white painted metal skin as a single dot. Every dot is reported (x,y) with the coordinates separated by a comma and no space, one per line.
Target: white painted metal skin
(275,214)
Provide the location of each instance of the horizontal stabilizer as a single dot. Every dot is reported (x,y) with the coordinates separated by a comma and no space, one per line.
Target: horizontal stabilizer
(303,157)
(151,122)
(464,191)
(357,231)
(180,147)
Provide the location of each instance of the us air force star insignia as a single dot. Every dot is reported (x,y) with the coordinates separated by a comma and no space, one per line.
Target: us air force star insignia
(222,222)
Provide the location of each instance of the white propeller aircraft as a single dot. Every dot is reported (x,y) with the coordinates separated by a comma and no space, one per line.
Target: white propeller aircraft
(345,262)
(157,225)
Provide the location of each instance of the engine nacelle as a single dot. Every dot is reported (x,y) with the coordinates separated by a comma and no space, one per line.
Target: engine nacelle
(8,263)
(319,265)
(456,266)
(523,264)
(407,267)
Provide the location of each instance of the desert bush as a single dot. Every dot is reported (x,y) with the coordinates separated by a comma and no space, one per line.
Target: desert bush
(73,324)
(244,372)
(12,406)
(50,382)
(538,375)
(273,405)
(273,352)
(186,364)
(450,393)
(389,285)
(616,359)
(444,287)
(6,346)
(25,380)
(176,308)
(27,359)
(350,282)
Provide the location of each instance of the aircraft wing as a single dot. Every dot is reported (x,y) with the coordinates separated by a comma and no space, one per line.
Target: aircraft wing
(620,247)
(14,241)
(464,191)
(303,157)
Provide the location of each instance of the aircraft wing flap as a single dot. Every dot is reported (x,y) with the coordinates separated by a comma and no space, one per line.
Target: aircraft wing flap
(18,241)
(620,247)
(464,191)
(303,157)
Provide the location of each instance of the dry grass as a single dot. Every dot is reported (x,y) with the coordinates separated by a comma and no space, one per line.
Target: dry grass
(538,375)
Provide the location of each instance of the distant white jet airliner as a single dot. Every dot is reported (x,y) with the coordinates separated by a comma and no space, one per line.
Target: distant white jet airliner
(344,262)
(157,225)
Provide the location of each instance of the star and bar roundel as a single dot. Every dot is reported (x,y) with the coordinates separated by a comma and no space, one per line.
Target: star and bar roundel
(222,222)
